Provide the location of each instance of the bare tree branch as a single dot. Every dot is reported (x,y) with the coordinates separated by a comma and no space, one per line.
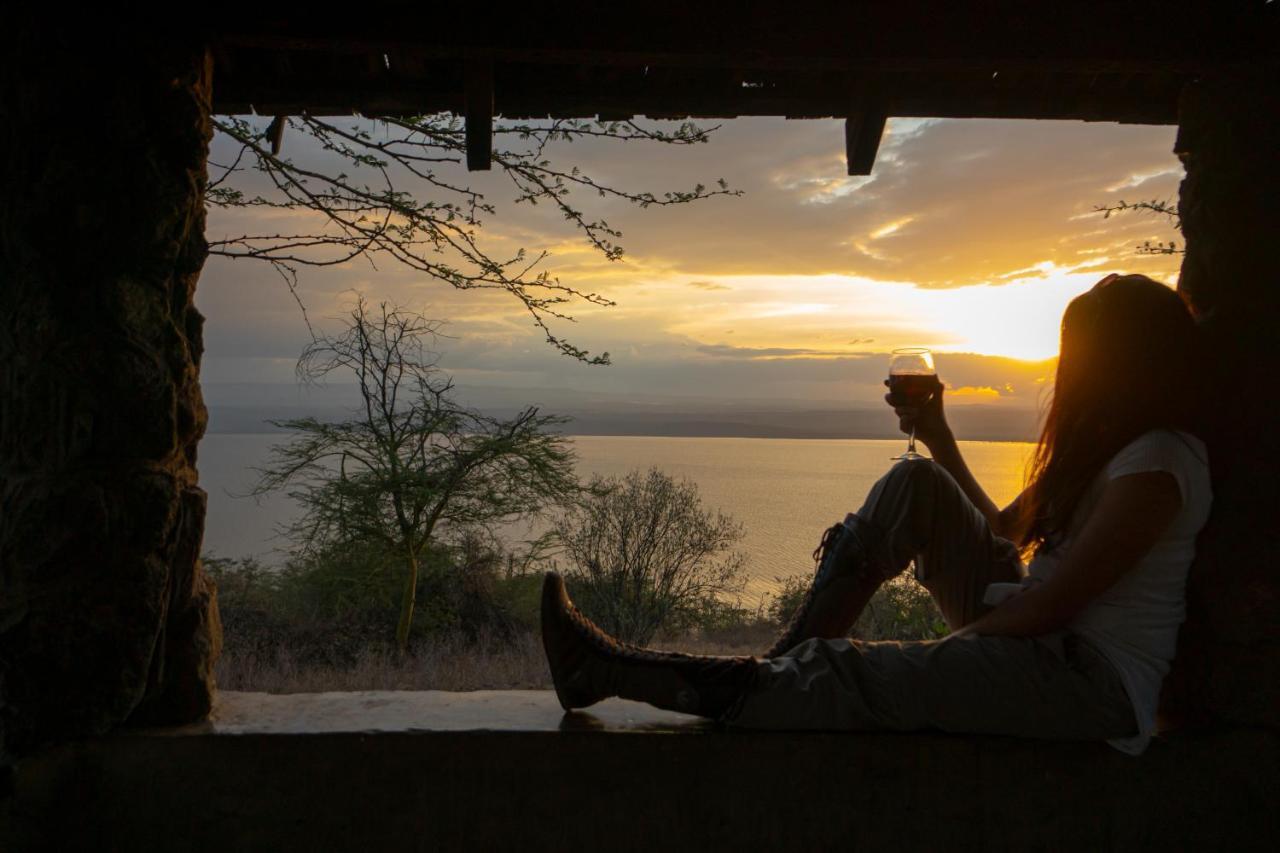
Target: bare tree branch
(365,211)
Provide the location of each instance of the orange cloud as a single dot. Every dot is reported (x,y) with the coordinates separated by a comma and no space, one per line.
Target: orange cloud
(974,393)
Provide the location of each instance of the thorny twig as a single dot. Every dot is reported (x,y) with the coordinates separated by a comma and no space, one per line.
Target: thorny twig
(436,235)
(1163,207)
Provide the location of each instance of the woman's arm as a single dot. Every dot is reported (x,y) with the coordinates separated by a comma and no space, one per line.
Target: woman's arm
(946,452)
(1129,519)
(930,424)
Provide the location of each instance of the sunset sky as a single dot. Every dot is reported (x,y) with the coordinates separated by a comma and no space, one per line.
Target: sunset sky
(969,237)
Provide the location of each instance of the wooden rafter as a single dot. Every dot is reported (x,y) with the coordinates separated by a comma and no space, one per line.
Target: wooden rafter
(864,126)
(479,113)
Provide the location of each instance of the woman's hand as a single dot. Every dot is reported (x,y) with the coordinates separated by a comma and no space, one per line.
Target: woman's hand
(929,420)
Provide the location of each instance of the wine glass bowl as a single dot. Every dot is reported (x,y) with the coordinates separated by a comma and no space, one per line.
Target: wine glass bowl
(911,389)
(912,382)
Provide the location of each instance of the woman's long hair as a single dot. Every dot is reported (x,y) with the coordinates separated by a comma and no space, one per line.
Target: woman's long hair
(1128,364)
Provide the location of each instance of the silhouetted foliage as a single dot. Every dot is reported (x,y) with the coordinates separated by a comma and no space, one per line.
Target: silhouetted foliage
(644,555)
(1160,207)
(332,604)
(390,189)
(901,609)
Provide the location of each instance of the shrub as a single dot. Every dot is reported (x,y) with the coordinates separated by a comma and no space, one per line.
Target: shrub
(791,592)
(646,556)
(334,604)
(520,597)
(242,583)
(262,613)
(901,609)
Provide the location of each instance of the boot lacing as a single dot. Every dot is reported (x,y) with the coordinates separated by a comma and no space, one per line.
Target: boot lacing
(791,635)
(828,540)
(610,646)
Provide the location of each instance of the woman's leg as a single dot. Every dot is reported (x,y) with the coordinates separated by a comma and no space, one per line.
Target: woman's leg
(997,685)
(927,519)
(840,589)
(1056,687)
(915,512)
(587,665)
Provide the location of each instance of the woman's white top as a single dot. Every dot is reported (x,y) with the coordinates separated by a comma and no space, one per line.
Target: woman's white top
(1135,622)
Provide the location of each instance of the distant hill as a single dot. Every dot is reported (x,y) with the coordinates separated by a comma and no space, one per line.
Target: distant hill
(979,423)
(976,422)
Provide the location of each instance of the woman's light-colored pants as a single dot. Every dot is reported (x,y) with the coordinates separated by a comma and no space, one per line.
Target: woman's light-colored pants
(1057,686)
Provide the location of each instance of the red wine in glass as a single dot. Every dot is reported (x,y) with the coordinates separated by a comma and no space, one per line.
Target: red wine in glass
(910,389)
(912,381)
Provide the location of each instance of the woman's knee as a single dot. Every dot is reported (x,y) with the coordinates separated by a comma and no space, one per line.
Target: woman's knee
(914,473)
(909,494)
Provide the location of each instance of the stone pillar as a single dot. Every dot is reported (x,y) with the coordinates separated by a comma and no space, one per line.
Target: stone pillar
(105,614)
(1228,666)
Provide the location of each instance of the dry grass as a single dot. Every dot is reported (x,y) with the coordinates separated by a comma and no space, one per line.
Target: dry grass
(265,658)
(449,663)
(749,639)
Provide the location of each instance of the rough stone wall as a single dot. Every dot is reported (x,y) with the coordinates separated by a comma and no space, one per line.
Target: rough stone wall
(1228,666)
(105,614)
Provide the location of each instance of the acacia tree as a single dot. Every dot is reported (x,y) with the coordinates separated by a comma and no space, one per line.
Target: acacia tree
(396,193)
(643,550)
(411,462)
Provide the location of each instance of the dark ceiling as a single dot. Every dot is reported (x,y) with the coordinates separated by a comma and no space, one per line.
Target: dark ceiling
(1120,61)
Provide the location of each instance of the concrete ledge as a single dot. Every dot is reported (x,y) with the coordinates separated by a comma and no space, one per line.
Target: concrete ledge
(499,770)
(430,711)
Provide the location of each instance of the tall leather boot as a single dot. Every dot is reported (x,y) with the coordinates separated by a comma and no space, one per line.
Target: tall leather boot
(847,574)
(587,665)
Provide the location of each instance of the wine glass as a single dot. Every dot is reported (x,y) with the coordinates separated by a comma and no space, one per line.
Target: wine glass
(912,381)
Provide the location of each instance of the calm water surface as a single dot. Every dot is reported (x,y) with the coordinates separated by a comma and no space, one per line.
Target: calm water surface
(785,492)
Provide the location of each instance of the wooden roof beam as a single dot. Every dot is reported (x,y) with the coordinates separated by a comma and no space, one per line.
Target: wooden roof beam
(1127,55)
(275,133)
(862,130)
(1158,108)
(479,112)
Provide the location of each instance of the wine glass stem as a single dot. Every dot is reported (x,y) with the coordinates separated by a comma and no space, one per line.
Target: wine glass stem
(911,442)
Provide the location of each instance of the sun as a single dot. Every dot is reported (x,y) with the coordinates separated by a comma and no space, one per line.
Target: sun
(1021,319)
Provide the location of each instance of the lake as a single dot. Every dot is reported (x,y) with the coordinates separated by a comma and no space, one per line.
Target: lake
(784,491)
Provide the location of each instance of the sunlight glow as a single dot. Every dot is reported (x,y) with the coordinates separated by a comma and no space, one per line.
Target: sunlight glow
(1018,319)
(1021,319)
(786,309)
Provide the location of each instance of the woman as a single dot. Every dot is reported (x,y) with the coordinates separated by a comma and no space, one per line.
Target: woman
(1074,645)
